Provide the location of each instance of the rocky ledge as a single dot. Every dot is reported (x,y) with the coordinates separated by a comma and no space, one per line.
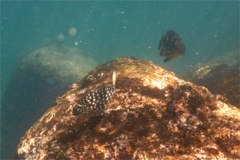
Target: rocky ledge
(153,114)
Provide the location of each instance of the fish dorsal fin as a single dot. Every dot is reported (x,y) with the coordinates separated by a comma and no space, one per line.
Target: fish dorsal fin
(114,77)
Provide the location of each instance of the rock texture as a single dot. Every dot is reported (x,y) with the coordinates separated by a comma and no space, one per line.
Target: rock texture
(153,114)
(36,81)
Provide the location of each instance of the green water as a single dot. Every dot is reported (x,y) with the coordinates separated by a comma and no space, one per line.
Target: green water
(111,29)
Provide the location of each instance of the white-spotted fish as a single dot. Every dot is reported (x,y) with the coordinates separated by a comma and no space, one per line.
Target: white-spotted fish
(96,102)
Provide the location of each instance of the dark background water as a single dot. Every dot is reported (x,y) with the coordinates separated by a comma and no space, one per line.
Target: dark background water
(108,29)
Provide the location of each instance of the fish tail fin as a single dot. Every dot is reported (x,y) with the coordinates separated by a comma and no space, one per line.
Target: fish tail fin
(114,77)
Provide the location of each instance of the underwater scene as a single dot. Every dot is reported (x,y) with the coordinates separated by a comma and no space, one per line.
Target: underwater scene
(120,80)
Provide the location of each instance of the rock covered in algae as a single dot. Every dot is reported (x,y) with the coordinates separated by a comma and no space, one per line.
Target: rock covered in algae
(220,75)
(153,114)
(36,81)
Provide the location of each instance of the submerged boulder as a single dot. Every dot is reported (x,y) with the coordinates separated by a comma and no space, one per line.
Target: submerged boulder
(230,59)
(36,81)
(220,75)
(153,114)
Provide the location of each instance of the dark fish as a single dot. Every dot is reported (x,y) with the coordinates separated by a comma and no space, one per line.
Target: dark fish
(95,102)
(171,46)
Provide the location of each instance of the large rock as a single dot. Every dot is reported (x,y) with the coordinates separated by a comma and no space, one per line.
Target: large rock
(35,83)
(220,75)
(230,59)
(153,114)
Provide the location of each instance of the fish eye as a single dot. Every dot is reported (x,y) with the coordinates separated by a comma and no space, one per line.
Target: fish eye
(79,110)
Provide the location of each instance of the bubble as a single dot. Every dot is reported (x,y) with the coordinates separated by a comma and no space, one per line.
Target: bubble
(72,31)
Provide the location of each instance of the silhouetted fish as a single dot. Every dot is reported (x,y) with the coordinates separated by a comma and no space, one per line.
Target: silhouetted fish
(96,102)
(171,46)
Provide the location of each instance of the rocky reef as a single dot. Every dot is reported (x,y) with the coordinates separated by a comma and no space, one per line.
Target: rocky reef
(153,114)
(220,75)
(36,81)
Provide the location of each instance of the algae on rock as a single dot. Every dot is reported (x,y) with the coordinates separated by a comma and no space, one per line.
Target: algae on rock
(153,114)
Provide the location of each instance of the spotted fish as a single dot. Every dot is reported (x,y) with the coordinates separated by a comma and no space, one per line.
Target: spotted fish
(96,102)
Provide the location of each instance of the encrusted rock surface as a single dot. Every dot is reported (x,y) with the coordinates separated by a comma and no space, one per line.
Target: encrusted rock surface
(153,114)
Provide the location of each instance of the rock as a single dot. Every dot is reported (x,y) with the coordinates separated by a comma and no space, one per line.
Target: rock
(220,75)
(231,59)
(35,83)
(153,114)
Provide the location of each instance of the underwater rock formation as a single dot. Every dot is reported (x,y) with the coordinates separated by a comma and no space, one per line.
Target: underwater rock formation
(220,75)
(36,81)
(231,59)
(152,114)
